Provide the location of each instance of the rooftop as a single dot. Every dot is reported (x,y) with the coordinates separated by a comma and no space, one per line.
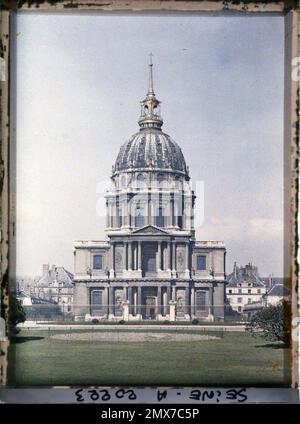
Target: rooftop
(245,275)
(55,273)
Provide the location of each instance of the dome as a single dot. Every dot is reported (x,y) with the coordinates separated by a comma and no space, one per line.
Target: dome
(153,149)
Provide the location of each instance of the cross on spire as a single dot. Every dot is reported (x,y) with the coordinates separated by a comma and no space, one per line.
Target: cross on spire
(150,87)
(151,56)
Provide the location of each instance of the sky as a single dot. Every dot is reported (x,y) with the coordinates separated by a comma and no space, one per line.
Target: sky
(79,80)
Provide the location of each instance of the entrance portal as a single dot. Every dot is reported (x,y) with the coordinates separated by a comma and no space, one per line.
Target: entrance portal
(150,307)
(149,303)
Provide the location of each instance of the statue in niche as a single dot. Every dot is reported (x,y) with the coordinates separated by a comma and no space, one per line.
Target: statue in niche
(118,304)
(180,260)
(118,260)
(180,304)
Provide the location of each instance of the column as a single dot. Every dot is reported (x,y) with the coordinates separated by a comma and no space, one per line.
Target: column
(173,294)
(112,260)
(129,210)
(173,256)
(107,301)
(125,255)
(153,211)
(126,215)
(168,262)
(192,301)
(130,256)
(110,301)
(139,255)
(130,300)
(172,211)
(210,309)
(187,265)
(135,301)
(107,214)
(135,256)
(139,300)
(168,294)
(124,293)
(187,301)
(159,300)
(110,213)
(148,218)
(159,257)
(176,211)
(117,212)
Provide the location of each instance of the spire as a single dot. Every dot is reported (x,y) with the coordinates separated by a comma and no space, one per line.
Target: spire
(150,86)
(150,106)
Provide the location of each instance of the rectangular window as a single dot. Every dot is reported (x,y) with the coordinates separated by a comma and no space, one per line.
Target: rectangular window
(97,262)
(201,301)
(240,309)
(201,262)
(249,300)
(160,219)
(96,302)
(230,291)
(249,291)
(240,291)
(258,291)
(240,299)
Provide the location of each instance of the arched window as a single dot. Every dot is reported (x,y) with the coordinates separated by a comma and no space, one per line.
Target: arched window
(160,219)
(140,181)
(139,216)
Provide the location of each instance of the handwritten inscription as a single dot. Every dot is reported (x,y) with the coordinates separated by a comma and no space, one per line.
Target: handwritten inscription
(237,395)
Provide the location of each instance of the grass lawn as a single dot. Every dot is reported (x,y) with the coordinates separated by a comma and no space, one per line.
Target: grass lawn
(236,359)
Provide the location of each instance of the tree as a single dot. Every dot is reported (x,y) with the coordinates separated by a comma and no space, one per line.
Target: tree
(16,314)
(272,322)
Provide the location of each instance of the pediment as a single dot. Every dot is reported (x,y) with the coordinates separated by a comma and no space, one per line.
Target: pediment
(150,229)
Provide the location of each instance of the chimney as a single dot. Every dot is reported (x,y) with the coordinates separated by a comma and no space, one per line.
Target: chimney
(270,281)
(45,269)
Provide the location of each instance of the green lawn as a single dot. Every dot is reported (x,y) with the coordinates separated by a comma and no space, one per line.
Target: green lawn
(235,359)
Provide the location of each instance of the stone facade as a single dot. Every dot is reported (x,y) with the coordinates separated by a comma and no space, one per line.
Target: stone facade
(56,286)
(151,266)
(244,287)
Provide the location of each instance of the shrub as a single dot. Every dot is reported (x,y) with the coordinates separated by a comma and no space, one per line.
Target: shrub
(166,322)
(121,321)
(16,314)
(195,321)
(95,321)
(272,322)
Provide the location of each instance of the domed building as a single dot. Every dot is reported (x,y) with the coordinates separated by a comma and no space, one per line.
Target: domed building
(150,267)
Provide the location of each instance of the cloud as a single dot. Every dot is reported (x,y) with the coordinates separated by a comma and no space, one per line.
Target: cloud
(250,230)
